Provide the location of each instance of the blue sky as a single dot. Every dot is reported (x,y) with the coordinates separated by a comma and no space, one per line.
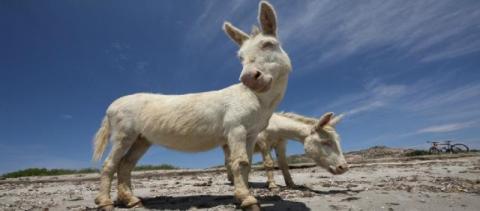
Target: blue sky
(404,72)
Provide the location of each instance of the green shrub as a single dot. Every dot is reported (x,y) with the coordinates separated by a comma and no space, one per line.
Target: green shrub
(54,172)
(37,172)
(155,167)
(417,153)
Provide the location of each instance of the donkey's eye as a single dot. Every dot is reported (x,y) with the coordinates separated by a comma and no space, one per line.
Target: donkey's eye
(241,58)
(267,45)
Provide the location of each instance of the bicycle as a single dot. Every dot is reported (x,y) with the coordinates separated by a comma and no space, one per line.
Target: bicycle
(447,147)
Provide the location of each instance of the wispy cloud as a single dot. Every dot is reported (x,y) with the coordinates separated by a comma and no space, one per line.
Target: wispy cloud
(423,109)
(446,127)
(375,96)
(364,108)
(417,28)
(67,116)
(465,94)
(433,97)
(208,26)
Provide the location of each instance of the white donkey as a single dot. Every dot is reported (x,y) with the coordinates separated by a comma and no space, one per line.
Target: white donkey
(319,137)
(198,122)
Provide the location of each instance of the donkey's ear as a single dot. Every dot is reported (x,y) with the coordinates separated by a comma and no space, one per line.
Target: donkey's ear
(335,120)
(237,35)
(324,120)
(267,18)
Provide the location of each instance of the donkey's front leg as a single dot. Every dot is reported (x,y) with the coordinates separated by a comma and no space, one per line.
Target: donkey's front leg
(241,150)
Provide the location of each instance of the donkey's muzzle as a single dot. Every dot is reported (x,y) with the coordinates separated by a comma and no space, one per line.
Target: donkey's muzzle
(256,80)
(339,169)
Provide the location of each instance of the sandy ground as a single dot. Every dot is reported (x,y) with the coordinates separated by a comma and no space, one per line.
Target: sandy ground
(446,184)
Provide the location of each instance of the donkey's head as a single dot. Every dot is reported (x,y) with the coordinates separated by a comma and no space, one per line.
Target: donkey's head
(262,57)
(323,145)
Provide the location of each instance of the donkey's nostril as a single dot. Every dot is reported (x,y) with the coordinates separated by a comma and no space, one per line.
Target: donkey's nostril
(342,167)
(257,75)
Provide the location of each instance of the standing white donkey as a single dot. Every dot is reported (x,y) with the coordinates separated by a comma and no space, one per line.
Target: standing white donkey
(319,137)
(202,121)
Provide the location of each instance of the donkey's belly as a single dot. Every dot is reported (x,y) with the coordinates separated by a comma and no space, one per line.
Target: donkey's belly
(187,143)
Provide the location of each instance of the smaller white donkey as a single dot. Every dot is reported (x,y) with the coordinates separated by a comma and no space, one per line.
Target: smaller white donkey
(319,137)
(198,122)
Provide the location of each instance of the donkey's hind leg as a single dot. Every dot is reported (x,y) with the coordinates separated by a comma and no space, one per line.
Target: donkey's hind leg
(128,162)
(228,165)
(269,166)
(121,142)
(283,164)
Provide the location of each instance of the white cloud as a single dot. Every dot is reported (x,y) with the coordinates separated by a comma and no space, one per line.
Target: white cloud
(429,29)
(364,108)
(461,96)
(446,127)
(208,26)
(375,96)
(433,99)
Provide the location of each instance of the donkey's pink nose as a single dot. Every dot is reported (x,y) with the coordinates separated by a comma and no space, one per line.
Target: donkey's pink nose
(256,80)
(250,76)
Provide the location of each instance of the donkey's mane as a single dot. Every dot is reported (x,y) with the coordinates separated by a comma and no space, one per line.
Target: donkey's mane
(298,118)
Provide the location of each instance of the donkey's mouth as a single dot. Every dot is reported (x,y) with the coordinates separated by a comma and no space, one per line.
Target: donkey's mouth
(334,170)
(259,84)
(267,85)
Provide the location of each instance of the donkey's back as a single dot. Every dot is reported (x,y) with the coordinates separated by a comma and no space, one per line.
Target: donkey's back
(190,122)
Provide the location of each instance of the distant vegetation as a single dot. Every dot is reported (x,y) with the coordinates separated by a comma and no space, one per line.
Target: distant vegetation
(53,172)
(370,153)
(46,172)
(155,167)
(417,153)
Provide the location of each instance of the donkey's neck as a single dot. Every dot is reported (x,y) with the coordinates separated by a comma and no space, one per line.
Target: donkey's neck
(288,128)
(272,98)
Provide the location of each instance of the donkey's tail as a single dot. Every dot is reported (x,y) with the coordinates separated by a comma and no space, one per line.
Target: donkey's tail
(101,139)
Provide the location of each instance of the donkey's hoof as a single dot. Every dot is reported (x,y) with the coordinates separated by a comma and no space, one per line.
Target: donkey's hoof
(248,202)
(253,207)
(108,207)
(131,202)
(275,189)
(135,204)
(104,204)
(272,186)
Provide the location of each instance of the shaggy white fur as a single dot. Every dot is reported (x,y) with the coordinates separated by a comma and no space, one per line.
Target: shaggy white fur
(319,137)
(197,122)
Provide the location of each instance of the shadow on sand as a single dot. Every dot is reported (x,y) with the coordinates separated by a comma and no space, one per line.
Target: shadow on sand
(329,192)
(260,185)
(209,201)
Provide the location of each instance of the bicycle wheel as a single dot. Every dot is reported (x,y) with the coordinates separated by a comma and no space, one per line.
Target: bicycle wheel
(434,150)
(457,148)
